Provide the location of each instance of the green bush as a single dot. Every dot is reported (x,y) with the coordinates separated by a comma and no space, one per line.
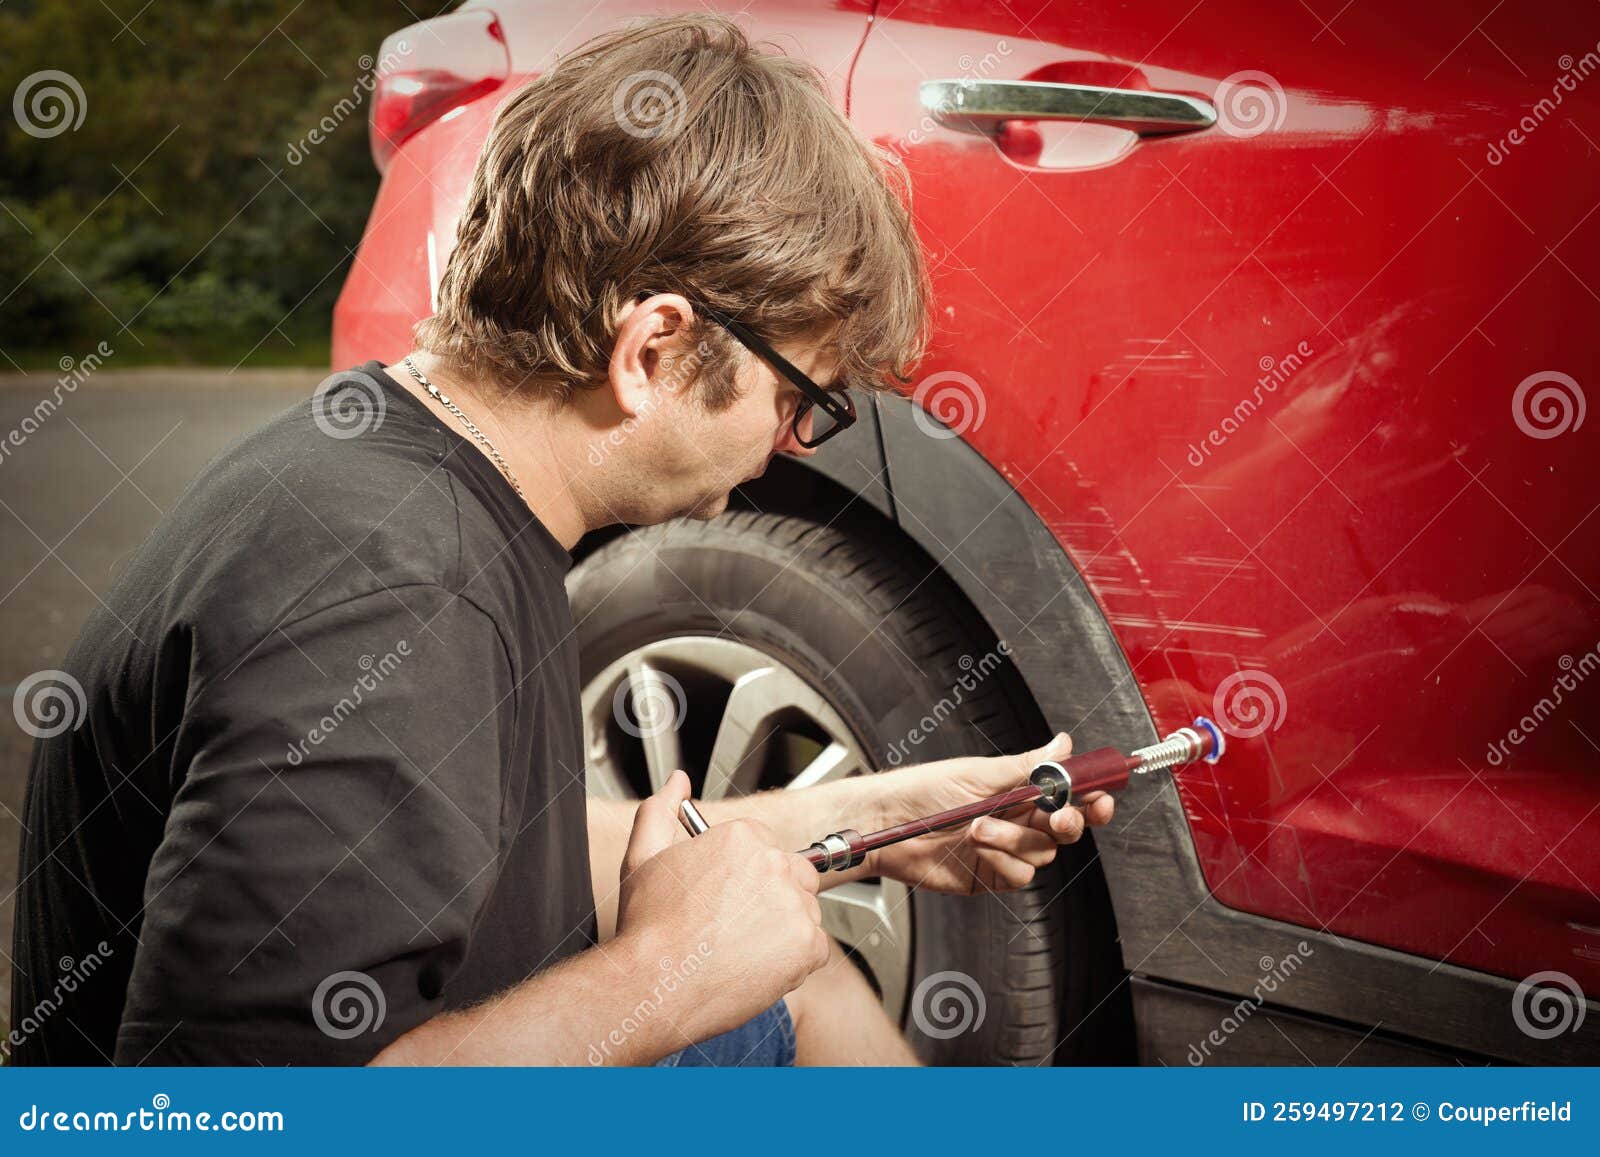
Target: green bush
(171,209)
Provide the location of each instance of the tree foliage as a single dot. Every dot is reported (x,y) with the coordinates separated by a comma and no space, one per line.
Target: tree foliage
(186,212)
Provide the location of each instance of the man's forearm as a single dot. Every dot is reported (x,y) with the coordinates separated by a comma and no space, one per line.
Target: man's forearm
(799,817)
(572,1014)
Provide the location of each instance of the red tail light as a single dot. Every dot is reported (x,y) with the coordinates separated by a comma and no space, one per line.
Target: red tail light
(427,69)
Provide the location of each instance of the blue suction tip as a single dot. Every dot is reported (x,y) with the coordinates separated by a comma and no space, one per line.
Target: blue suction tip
(1218,743)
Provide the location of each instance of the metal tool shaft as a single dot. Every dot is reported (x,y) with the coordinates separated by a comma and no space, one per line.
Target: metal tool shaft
(1051,786)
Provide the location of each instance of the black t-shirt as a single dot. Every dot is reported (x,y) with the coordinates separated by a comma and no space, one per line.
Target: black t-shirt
(330,775)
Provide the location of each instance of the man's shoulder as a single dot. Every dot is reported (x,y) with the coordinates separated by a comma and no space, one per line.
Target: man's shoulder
(295,515)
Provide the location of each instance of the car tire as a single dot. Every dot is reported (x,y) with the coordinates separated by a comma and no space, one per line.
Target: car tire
(890,644)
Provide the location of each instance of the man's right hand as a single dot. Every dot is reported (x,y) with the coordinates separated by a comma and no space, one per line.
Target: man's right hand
(732,906)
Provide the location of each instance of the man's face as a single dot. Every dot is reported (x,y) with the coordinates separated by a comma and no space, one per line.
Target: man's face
(697,457)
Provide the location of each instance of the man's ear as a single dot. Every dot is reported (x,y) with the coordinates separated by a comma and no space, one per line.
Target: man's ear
(647,331)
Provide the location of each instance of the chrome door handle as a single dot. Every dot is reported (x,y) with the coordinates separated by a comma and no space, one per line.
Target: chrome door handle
(980,106)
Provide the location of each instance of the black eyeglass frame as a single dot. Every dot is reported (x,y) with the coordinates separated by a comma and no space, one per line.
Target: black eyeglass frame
(835,403)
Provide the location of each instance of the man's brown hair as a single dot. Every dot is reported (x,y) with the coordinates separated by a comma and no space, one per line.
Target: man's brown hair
(672,157)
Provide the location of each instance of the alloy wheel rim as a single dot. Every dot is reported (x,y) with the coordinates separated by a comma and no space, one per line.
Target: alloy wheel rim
(740,720)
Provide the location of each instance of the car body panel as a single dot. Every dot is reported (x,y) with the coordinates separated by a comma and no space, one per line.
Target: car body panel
(1372,552)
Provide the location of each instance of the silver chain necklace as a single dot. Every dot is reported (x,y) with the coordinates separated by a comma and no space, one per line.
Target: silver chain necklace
(472,427)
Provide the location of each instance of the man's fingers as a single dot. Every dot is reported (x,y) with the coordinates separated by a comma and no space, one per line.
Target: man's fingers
(1023,842)
(805,875)
(1066,825)
(1059,747)
(655,824)
(1098,808)
(986,775)
(1003,872)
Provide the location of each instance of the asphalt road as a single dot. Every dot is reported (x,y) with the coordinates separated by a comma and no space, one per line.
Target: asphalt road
(80,493)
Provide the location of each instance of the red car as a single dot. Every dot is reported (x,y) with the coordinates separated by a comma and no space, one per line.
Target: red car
(1258,393)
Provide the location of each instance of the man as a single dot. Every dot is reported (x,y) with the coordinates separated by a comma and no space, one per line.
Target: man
(327,801)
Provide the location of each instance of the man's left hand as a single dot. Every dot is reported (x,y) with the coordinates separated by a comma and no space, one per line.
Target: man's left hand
(995,853)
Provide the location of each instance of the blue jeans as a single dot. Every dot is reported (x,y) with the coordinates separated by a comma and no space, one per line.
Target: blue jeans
(766,1040)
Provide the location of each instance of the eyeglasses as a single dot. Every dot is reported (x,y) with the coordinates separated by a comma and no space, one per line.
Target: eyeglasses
(823,412)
